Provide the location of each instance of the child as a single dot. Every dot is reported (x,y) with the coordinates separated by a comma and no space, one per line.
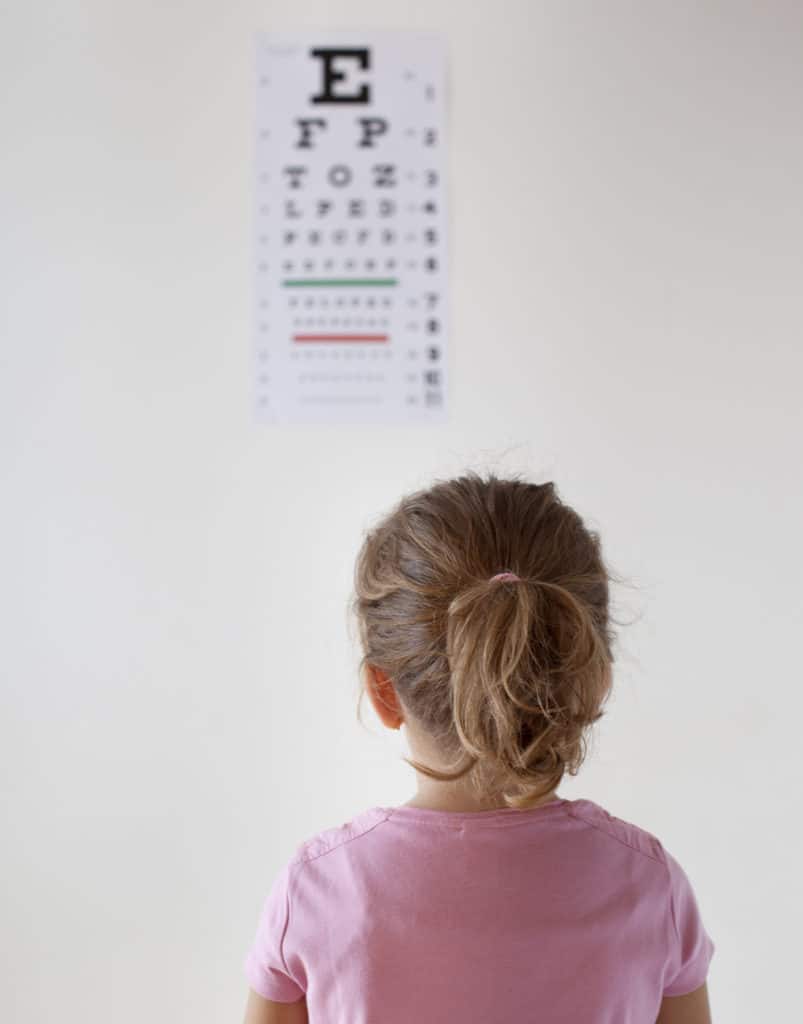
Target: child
(487,898)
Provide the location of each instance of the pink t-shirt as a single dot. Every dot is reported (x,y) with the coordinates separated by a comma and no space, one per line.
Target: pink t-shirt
(562,912)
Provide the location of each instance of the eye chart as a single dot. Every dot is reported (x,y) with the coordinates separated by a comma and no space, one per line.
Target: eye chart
(350,250)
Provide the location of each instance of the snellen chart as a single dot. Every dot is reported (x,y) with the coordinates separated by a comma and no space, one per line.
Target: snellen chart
(351,304)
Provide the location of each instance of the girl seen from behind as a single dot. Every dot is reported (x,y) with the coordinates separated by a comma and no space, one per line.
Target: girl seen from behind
(482,606)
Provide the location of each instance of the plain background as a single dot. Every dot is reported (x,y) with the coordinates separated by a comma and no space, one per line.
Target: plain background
(178,673)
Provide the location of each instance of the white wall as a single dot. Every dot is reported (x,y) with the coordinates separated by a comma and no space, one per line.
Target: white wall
(178,677)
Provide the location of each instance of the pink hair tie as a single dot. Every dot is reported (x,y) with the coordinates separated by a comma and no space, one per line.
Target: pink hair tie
(505,576)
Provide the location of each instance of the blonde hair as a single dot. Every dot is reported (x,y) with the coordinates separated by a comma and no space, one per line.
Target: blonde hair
(506,676)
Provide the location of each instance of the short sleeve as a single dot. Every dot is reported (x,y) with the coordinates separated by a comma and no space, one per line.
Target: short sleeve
(692,947)
(265,965)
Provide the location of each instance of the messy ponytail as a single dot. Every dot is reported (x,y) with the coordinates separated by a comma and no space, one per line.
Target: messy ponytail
(506,676)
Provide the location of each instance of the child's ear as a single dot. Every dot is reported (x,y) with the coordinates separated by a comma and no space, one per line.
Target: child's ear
(384,698)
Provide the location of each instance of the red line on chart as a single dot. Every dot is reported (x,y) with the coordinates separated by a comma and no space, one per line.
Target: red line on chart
(340,337)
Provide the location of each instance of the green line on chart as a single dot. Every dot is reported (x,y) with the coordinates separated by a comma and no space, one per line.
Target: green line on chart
(323,282)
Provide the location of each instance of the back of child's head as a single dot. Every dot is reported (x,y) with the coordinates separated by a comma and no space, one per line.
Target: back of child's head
(506,676)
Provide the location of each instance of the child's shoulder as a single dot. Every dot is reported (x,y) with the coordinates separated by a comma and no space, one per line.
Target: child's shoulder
(582,810)
(620,830)
(328,839)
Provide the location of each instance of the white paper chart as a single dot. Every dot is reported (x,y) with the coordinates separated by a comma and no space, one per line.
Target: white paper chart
(351,321)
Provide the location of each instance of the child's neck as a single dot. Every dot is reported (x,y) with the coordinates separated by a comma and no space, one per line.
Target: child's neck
(433,800)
